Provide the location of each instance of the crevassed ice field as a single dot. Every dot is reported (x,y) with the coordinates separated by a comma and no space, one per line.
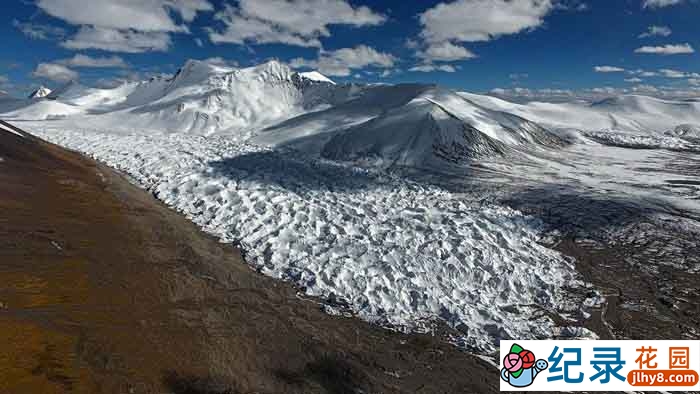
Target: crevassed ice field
(390,202)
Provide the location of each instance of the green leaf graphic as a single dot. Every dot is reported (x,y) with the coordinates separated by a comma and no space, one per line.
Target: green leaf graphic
(516,349)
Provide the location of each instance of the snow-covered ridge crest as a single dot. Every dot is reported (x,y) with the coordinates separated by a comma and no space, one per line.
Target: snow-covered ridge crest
(272,105)
(316,76)
(201,97)
(41,92)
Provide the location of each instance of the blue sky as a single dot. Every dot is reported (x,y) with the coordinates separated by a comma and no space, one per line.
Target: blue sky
(511,47)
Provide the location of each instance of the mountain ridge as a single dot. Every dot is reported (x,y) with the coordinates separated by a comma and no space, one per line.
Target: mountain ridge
(271,104)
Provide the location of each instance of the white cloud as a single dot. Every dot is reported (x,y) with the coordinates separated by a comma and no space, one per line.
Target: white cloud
(241,30)
(220,61)
(291,22)
(518,76)
(669,73)
(131,26)
(199,42)
(633,80)
(659,3)
(81,60)
(426,68)
(3,79)
(39,32)
(140,15)
(128,41)
(482,20)
(672,73)
(667,49)
(533,94)
(643,73)
(644,89)
(411,44)
(694,81)
(661,31)
(389,72)
(54,72)
(445,51)
(341,62)
(608,69)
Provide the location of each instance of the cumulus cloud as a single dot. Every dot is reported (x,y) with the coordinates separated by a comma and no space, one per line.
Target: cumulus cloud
(669,73)
(659,3)
(445,51)
(81,60)
(142,15)
(633,80)
(124,26)
(389,72)
(643,73)
(670,49)
(341,62)
(220,61)
(482,20)
(608,69)
(39,32)
(291,22)
(449,23)
(54,72)
(652,31)
(426,68)
(113,40)
(672,73)
(694,81)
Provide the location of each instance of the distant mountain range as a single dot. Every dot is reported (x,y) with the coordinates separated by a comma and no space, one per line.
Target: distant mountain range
(406,124)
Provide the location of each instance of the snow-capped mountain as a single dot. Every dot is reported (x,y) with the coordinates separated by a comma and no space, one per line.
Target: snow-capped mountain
(41,92)
(406,125)
(316,76)
(626,113)
(201,97)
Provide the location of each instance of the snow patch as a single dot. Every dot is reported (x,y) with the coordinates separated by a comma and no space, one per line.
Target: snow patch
(316,76)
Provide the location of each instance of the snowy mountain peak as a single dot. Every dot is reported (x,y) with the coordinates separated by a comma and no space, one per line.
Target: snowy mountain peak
(271,70)
(194,71)
(316,76)
(40,93)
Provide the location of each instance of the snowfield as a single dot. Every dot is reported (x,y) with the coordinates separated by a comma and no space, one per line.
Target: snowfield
(317,182)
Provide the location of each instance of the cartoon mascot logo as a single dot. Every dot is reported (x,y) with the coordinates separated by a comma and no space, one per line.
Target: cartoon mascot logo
(520,367)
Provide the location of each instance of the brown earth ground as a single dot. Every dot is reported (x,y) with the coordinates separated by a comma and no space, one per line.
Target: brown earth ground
(105,290)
